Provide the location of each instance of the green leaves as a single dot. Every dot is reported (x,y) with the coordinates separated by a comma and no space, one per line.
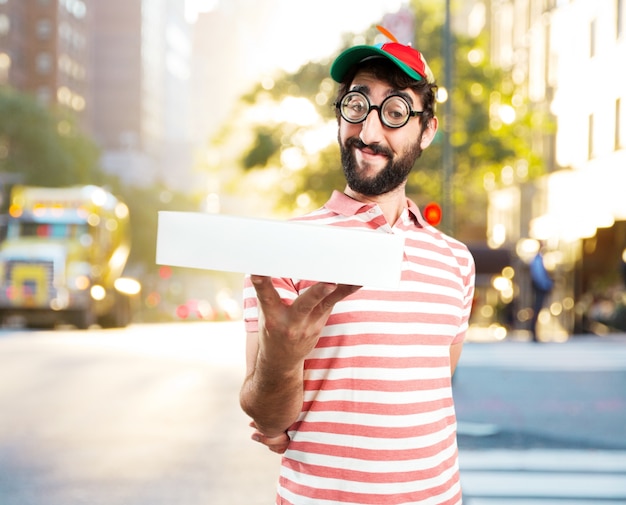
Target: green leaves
(493,127)
(265,146)
(43,146)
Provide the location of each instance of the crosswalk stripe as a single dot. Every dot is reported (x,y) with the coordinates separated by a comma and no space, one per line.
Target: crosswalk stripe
(535,501)
(556,477)
(570,460)
(543,485)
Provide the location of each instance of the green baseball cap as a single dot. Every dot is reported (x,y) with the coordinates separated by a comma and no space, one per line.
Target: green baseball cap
(408,59)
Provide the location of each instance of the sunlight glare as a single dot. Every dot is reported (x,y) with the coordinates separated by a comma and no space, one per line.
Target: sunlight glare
(293,159)
(194,7)
(298,111)
(316,139)
(507,114)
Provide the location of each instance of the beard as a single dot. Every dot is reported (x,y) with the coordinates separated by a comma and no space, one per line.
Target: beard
(394,173)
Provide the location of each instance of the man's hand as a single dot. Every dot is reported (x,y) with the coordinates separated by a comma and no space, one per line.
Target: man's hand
(276,444)
(289,332)
(272,392)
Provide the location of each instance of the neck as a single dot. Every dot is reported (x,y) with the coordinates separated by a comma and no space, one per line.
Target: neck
(392,203)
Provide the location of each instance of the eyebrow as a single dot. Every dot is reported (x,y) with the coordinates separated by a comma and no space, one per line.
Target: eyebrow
(363,88)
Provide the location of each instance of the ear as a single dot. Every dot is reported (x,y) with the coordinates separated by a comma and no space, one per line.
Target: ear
(429,132)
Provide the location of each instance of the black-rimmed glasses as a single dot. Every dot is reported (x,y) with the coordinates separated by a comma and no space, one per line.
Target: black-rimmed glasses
(394,112)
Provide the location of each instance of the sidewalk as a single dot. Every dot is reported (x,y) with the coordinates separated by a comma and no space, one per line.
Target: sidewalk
(579,353)
(524,336)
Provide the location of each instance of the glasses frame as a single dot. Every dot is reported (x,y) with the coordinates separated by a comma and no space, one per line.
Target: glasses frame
(378,108)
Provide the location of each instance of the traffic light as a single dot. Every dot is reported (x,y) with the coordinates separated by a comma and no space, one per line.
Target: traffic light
(165,272)
(432,213)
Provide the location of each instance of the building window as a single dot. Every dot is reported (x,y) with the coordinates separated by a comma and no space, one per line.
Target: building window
(44,95)
(5,66)
(43,63)
(590,138)
(549,5)
(44,29)
(618,124)
(5,24)
(77,8)
(592,39)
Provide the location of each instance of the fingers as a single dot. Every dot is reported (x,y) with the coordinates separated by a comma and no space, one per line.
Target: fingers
(342,291)
(277,444)
(322,296)
(265,290)
(324,293)
(314,297)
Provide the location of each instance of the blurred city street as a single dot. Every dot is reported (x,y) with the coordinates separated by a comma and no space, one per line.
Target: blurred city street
(543,423)
(143,416)
(112,112)
(149,415)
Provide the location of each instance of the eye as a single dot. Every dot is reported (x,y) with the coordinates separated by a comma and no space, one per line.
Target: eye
(356,104)
(354,107)
(396,109)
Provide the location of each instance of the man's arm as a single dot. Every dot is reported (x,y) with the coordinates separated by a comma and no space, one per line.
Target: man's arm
(271,395)
(272,392)
(455,354)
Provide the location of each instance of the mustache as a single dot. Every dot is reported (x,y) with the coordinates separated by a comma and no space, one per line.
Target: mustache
(357,143)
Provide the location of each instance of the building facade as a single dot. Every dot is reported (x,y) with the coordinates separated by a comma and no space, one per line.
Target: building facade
(565,56)
(45,49)
(121,66)
(141,79)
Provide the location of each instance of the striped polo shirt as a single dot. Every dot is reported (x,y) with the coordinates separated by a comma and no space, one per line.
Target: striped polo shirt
(378,425)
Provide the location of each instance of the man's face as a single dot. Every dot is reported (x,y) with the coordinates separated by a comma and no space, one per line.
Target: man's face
(377,159)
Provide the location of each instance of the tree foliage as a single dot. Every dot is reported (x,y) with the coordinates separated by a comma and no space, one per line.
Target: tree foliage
(485,146)
(44,147)
(144,205)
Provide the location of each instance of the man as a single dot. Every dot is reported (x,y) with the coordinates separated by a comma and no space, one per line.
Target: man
(542,284)
(353,386)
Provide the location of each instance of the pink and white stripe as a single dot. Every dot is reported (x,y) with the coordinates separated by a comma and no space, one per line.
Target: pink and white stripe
(377,424)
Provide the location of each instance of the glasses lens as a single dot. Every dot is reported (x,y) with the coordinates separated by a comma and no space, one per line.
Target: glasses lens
(354,107)
(395,111)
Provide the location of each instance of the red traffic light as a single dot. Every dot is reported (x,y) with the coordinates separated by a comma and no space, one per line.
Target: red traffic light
(432,213)
(165,272)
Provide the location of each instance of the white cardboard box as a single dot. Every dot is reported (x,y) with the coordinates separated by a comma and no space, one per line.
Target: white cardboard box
(279,249)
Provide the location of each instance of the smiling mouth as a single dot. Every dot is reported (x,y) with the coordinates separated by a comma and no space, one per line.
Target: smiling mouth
(371,150)
(372,153)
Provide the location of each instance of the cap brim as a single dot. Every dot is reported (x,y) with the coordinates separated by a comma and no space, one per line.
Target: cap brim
(350,57)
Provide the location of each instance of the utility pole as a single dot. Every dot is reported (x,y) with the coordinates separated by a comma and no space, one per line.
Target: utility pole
(448,167)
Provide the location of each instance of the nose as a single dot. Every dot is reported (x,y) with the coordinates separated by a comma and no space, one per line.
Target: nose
(372,128)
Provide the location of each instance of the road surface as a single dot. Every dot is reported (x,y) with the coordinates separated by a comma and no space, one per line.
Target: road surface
(149,415)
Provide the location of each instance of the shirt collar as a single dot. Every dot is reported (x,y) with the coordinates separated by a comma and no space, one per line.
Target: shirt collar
(344,205)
